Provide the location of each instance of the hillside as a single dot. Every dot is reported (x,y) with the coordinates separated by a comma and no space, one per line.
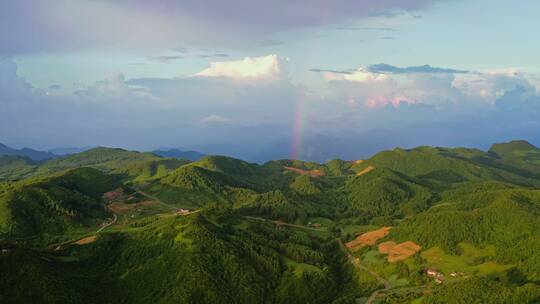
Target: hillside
(425,225)
(16,167)
(55,204)
(192,259)
(447,166)
(102,158)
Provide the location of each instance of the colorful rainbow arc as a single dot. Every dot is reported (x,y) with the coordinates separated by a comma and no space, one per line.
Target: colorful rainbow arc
(298,127)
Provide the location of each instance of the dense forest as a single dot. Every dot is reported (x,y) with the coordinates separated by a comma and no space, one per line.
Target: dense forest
(424,225)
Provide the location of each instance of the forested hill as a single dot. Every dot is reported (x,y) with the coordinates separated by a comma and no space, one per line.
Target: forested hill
(422,225)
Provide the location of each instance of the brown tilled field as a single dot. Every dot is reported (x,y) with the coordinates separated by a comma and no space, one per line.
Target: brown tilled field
(368,238)
(366,170)
(386,247)
(312,173)
(86,240)
(399,252)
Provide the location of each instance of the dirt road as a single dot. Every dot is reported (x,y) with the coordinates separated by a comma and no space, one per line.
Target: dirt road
(115,218)
(280,223)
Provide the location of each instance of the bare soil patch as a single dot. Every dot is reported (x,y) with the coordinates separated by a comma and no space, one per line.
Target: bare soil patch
(385,247)
(86,240)
(368,238)
(399,252)
(113,195)
(312,173)
(359,161)
(366,170)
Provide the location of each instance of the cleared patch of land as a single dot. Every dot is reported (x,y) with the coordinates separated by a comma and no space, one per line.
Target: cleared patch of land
(385,247)
(86,240)
(368,238)
(366,170)
(120,208)
(472,260)
(114,195)
(399,252)
(312,173)
(359,161)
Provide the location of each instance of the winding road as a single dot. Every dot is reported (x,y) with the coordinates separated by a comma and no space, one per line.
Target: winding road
(115,218)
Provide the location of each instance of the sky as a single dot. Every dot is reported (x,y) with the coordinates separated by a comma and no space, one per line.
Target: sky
(260,80)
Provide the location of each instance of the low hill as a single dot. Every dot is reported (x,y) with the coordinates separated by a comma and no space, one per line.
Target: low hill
(517,156)
(188,259)
(108,159)
(16,167)
(484,214)
(384,193)
(150,169)
(514,148)
(446,166)
(55,204)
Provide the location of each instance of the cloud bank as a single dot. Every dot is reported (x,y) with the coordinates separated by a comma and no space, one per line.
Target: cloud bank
(28,26)
(343,115)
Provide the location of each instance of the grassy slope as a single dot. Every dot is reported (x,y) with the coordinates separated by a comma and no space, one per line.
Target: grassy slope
(15,167)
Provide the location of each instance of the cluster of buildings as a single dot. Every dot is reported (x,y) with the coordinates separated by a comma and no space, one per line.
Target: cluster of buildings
(182,211)
(438,277)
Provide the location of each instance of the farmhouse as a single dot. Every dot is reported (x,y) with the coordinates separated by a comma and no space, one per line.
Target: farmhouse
(437,276)
(183,211)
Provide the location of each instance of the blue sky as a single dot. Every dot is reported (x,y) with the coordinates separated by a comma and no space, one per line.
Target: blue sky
(227,77)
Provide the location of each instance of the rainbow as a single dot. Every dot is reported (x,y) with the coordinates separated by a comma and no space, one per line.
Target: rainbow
(298,127)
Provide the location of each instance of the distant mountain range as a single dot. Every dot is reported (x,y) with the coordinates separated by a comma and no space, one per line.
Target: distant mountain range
(26,152)
(69,151)
(37,155)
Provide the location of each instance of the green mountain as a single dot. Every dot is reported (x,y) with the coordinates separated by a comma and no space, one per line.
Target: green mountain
(16,167)
(422,225)
(55,204)
(108,159)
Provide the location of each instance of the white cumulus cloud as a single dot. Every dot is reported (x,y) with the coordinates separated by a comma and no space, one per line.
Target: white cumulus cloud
(247,68)
(214,119)
(360,75)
